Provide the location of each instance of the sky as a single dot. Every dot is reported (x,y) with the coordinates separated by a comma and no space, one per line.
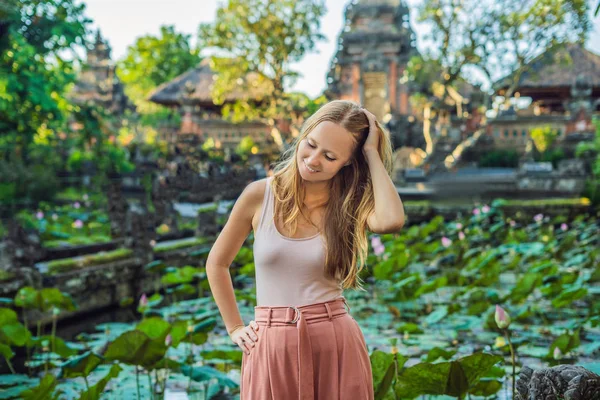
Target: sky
(122,21)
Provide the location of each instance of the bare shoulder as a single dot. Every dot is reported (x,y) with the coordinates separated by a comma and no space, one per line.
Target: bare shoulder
(251,199)
(238,225)
(254,192)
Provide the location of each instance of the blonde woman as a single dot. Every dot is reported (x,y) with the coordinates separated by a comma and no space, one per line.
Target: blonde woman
(309,221)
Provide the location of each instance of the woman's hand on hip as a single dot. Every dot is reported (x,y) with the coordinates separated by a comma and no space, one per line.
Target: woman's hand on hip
(245,337)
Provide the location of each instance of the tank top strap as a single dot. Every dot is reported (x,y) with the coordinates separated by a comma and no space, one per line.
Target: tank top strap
(267,209)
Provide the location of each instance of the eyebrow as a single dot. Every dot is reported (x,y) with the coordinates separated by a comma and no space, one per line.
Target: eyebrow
(326,151)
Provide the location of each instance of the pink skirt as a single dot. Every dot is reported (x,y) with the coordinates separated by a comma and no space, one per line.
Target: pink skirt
(312,352)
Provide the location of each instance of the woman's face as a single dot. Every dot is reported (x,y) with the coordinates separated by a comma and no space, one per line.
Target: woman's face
(324,151)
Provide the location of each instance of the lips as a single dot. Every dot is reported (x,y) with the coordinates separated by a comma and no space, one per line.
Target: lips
(310,169)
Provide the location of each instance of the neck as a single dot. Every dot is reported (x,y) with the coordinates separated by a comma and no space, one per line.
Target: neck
(316,193)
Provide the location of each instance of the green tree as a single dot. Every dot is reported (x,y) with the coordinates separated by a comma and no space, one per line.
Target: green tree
(37,66)
(500,36)
(543,137)
(260,39)
(148,63)
(154,60)
(244,148)
(590,151)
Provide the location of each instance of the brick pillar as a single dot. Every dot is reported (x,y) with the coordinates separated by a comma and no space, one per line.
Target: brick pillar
(392,84)
(355,82)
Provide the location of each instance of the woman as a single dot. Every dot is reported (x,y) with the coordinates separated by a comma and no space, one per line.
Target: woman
(309,221)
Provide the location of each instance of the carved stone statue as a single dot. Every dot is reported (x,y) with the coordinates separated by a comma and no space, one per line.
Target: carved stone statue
(117,209)
(141,234)
(568,382)
(23,247)
(163,195)
(581,98)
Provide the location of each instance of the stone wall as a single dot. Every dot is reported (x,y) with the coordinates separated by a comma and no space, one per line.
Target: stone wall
(103,286)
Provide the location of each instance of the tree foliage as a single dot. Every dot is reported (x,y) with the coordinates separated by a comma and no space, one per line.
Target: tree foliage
(154,60)
(543,137)
(260,40)
(36,36)
(500,36)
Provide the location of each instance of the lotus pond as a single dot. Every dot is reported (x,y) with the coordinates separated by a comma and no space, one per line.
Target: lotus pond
(429,315)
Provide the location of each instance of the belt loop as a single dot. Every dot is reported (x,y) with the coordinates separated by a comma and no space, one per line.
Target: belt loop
(328,311)
(269,317)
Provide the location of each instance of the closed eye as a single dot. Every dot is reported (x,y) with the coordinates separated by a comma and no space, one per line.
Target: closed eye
(314,147)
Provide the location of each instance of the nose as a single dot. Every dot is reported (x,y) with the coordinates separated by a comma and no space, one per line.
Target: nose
(312,160)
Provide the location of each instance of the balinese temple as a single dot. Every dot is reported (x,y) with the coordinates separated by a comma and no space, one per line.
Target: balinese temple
(98,83)
(564,88)
(190,93)
(373,49)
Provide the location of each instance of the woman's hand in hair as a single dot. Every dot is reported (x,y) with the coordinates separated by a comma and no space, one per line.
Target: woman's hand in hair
(372,142)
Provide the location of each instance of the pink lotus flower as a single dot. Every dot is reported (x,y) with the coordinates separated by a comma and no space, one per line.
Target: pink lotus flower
(538,217)
(564,226)
(459,226)
(476,211)
(375,241)
(39,215)
(168,340)
(379,250)
(557,354)
(446,242)
(502,318)
(78,224)
(461,235)
(512,223)
(76,205)
(143,300)
(152,243)
(485,209)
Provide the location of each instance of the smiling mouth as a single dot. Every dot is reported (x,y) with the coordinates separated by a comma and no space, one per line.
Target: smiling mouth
(309,168)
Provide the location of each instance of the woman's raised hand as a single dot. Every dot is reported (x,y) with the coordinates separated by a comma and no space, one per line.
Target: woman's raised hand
(245,336)
(372,142)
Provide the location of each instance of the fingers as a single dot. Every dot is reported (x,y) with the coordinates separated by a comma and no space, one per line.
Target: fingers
(251,337)
(247,337)
(368,113)
(243,345)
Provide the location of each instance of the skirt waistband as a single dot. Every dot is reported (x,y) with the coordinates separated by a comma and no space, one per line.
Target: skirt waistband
(282,315)
(300,316)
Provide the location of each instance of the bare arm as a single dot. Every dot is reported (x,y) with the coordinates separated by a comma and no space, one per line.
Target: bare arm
(225,249)
(388,216)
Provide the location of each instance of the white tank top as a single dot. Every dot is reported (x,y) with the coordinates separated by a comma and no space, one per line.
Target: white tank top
(289,271)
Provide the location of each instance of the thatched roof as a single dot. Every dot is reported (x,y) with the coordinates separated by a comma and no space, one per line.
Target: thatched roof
(557,69)
(200,78)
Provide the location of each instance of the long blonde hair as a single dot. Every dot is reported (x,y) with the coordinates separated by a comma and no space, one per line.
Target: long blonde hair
(351,197)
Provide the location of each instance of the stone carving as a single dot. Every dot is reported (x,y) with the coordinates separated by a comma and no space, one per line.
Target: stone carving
(23,247)
(142,236)
(571,167)
(569,382)
(207,224)
(163,196)
(19,253)
(117,209)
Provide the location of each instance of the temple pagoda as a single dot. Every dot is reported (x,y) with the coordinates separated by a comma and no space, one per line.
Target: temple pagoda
(190,93)
(98,83)
(564,88)
(373,49)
